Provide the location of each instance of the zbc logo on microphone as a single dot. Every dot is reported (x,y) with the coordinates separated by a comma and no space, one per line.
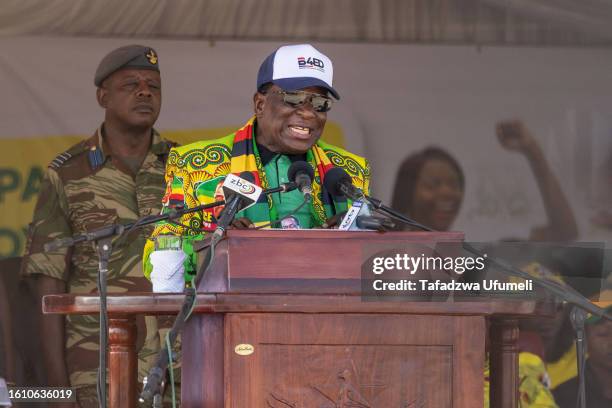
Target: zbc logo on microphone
(242,187)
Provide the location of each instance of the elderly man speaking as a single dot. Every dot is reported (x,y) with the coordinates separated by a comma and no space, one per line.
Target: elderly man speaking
(294,94)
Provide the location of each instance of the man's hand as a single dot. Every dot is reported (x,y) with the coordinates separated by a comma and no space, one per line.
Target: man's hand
(514,135)
(242,223)
(334,221)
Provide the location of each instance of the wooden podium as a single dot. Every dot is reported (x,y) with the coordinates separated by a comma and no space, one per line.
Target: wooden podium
(280,322)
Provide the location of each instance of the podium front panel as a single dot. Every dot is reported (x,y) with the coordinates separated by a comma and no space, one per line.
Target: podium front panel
(328,360)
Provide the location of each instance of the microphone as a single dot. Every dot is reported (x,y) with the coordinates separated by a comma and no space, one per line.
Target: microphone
(358,209)
(106,231)
(301,173)
(239,195)
(283,188)
(367,222)
(338,183)
(59,243)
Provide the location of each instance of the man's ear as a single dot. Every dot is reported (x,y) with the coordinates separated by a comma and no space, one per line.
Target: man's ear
(259,102)
(102,97)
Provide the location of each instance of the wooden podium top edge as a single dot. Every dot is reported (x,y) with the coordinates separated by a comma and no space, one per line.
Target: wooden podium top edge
(169,304)
(327,233)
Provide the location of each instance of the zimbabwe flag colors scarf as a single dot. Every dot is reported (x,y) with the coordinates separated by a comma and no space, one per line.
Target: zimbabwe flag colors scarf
(245,158)
(195,174)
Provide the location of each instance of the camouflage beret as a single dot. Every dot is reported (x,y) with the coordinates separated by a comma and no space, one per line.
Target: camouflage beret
(130,56)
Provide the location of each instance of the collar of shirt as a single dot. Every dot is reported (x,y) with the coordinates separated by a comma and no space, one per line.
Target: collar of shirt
(98,142)
(158,147)
(266,155)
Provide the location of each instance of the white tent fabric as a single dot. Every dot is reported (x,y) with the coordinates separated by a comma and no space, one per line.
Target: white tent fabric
(593,16)
(539,22)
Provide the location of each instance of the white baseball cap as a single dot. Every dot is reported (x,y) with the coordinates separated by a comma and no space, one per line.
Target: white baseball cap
(294,67)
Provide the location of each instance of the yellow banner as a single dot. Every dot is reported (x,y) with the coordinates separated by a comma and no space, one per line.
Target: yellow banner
(24,161)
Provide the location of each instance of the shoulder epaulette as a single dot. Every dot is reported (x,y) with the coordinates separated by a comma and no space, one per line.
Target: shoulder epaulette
(59,160)
(67,155)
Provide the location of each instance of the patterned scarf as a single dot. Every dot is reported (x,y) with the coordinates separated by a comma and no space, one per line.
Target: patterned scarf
(209,162)
(245,157)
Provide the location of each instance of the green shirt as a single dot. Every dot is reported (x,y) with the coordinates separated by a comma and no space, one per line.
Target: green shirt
(286,203)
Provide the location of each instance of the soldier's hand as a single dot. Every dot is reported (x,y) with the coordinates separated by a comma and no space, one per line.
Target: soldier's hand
(242,223)
(514,135)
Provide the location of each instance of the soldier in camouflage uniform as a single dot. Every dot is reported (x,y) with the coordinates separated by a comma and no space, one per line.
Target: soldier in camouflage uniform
(115,176)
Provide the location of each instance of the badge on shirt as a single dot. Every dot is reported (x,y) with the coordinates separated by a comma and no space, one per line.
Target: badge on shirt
(290,223)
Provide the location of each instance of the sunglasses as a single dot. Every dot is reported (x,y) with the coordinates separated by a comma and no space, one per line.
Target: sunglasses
(296,99)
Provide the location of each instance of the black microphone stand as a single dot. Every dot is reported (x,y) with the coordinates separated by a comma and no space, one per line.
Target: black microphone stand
(105,249)
(578,317)
(581,305)
(378,205)
(102,238)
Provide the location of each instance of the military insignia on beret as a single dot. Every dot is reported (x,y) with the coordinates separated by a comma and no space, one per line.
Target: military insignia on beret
(151,56)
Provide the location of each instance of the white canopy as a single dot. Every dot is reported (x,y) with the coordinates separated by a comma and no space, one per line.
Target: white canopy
(505,22)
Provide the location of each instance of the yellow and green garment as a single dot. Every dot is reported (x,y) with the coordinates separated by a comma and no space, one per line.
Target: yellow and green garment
(195,174)
(533,383)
